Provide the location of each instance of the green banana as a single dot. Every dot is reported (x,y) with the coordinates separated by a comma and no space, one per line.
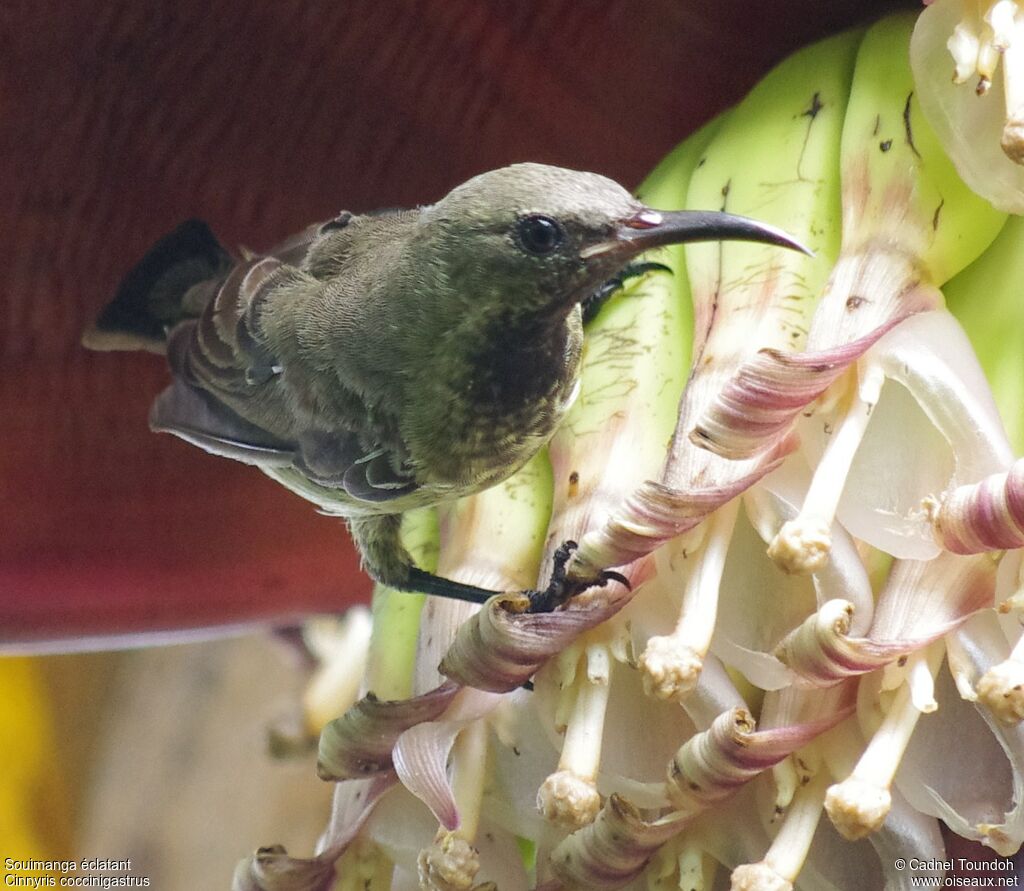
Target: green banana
(909,224)
(776,158)
(748,298)
(909,221)
(987,299)
(634,367)
(745,296)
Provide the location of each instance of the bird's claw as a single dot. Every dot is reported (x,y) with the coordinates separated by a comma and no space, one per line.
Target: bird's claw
(561,589)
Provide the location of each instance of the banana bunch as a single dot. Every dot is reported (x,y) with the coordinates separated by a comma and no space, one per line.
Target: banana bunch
(779,493)
(986,299)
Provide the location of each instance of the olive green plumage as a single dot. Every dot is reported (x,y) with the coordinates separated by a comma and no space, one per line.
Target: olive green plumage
(386,361)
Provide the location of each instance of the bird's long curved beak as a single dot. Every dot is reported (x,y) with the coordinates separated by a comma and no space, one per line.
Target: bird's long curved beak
(657,228)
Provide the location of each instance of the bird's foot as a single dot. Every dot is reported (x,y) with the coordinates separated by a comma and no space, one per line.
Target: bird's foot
(561,588)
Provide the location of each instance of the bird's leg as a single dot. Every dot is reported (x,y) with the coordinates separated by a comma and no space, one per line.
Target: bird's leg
(560,589)
(592,305)
(427,583)
(388,562)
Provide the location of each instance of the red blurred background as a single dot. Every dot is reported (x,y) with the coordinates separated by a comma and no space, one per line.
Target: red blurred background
(118,120)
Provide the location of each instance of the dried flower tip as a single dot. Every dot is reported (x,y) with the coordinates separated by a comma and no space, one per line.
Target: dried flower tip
(670,667)
(569,800)
(857,807)
(710,765)
(758,877)
(449,864)
(1001,688)
(818,649)
(988,61)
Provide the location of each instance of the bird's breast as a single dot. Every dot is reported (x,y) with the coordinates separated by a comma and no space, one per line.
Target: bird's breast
(507,403)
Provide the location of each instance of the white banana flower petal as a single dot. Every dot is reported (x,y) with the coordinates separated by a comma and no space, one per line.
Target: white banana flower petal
(643,734)
(421,753)
(970,126)
(983,798)
(911,835)
(753,586)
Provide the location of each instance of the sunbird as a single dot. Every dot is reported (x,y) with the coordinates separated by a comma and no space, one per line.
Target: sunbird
(399,359)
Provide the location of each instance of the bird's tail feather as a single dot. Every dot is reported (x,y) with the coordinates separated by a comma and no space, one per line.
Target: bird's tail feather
(172,282)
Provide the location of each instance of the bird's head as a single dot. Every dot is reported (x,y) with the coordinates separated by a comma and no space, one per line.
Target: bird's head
(548,237)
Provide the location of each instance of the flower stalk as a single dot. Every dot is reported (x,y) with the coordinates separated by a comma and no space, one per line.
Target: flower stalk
(781,864)
(671,664)
(859,804)
(569,797)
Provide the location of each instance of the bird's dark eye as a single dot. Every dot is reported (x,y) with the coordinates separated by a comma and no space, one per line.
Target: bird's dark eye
(539,234)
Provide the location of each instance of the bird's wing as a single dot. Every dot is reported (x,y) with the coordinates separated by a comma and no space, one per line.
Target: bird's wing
(196,416)
(344,462)
(229,396)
